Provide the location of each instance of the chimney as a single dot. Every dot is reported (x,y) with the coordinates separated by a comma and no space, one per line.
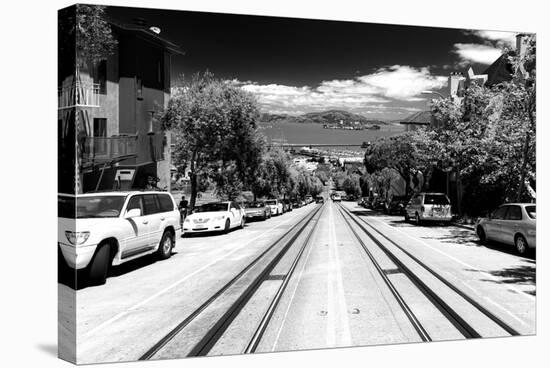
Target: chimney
(521,44)
(456,84)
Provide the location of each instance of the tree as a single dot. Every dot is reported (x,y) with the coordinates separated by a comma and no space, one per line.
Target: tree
(488,139)
(351,185)
(397,152)
(216,133)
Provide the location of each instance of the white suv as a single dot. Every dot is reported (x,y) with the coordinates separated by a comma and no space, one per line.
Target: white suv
(98,230)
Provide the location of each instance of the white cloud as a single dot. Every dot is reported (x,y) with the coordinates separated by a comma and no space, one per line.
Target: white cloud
(475,53)
(386,89)
(496,38)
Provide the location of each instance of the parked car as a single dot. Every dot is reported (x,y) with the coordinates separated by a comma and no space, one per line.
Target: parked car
(512,224)
(287,205)
(276,206)
(336,197)
(96,231)
(364,202)
(257,209)
(308,198)
(296,203)
(378,203)
(319,199)
(351,197)
(396,205)
(435,207)
(215,216)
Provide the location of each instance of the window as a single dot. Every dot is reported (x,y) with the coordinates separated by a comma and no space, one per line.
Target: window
(166,204)
(436,199)
(531,211)
(99,75)
(135,202)
(514,213)
(99,206)
(100,127)
(151,204)
(499,213)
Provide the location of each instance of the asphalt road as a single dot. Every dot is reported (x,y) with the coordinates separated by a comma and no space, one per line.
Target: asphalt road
(144,299)
(334,298)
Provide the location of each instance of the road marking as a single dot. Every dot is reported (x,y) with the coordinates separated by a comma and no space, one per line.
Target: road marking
(159,293)
(337,308)
(510,288)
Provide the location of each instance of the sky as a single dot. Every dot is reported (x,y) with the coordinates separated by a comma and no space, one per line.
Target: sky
(295,66)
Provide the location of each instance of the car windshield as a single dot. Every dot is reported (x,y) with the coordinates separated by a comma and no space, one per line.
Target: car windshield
(213,207)
(66,207)
(253,204)
(271,202)
(531,211)
(437,199)
(99,206)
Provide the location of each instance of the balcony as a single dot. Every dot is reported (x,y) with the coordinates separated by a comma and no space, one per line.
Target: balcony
(78,94)
(98,150)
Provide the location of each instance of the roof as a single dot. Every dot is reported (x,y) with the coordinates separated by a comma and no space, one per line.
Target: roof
(499,71)
(419,118)
(144,31)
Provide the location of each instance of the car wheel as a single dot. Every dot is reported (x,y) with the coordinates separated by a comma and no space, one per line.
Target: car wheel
(165,246)
(417,219)
(98,268)
(521,244)
(243,220)
(265,216)
(481,235)
(407,218)
(227,226)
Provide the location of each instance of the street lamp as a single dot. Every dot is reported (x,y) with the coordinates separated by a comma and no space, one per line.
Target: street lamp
(433,93)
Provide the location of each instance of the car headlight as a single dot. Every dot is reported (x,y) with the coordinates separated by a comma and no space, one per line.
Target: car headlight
(77,238)
(217,218)
(187,220)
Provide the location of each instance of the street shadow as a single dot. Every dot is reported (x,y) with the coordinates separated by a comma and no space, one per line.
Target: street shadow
(457,236)
(466,237)
(77,280)
(524,274)
(50,349)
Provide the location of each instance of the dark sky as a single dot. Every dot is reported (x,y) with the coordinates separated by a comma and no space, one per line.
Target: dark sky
(287,62)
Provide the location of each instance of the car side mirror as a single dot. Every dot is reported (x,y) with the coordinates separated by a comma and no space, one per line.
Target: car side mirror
(134,212)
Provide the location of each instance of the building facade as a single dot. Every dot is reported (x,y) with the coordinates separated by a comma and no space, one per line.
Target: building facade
(107,110)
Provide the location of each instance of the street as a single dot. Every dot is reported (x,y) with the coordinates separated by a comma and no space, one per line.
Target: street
(311,278)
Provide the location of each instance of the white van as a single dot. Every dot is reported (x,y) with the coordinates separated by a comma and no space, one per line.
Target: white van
(434,207)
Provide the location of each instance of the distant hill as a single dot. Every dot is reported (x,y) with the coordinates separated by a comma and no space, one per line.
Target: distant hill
(324,117)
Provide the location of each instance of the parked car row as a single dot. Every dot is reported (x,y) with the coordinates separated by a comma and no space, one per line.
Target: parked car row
(512,223)
(100,230)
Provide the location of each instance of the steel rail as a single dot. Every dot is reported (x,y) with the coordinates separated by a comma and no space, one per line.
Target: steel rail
(422,333)
(210,339)
(186,321)
(262,326)
(452,316)
(506,327)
